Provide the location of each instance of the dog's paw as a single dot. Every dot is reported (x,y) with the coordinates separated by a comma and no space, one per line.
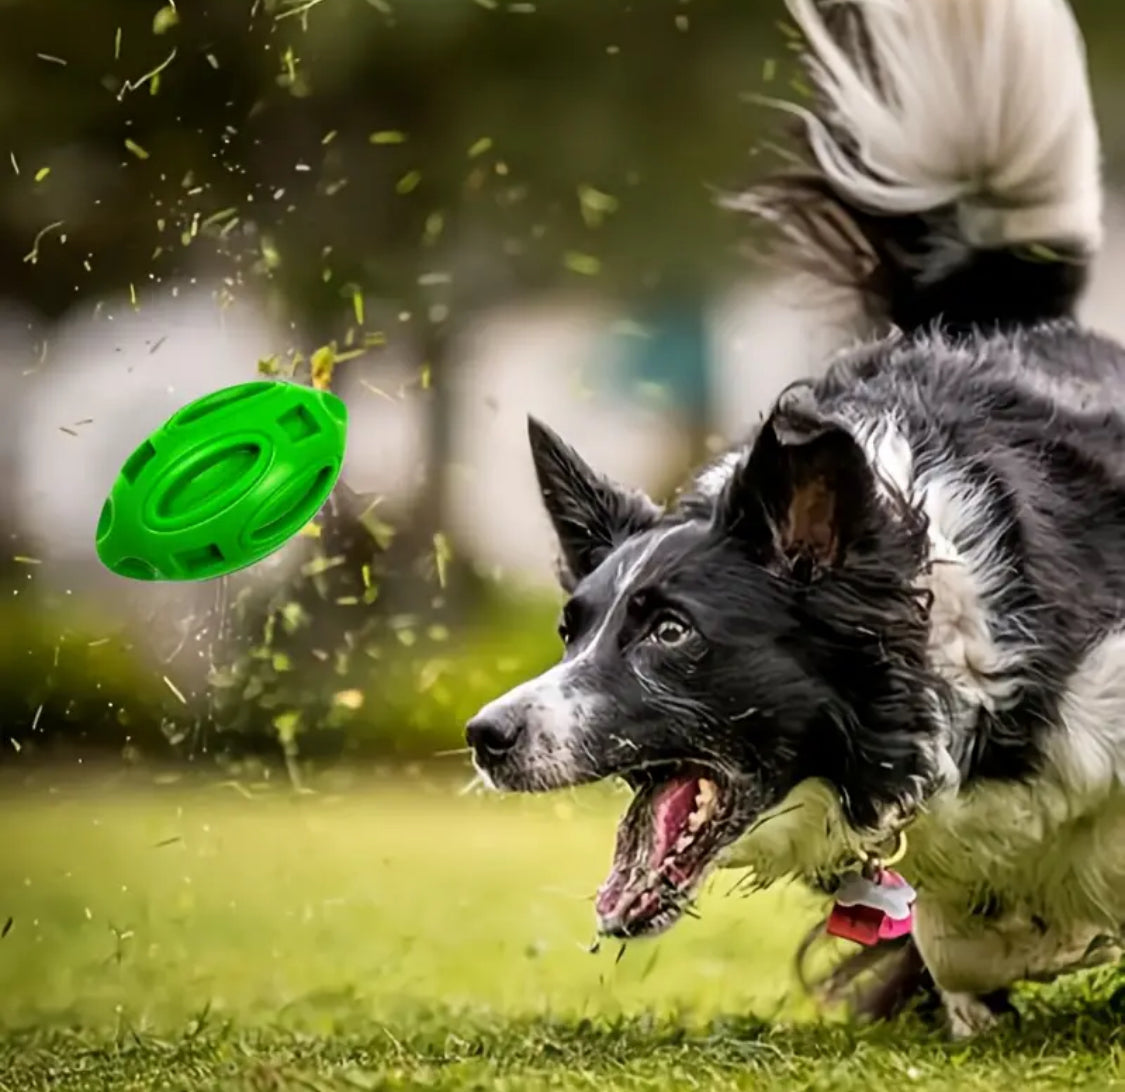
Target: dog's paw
(968,1016)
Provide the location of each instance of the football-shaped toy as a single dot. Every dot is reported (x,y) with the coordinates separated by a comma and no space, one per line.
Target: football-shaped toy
(223,482)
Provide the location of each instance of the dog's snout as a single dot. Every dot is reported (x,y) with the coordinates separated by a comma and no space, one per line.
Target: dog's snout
(493,733)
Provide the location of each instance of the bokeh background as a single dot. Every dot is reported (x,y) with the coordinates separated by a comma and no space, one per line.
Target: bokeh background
(473,209)
(454,211)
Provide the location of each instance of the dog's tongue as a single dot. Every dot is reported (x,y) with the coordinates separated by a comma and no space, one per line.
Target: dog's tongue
(669,810)
(674,802)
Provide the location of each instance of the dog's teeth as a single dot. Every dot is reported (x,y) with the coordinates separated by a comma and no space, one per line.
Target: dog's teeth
(706,798)
(685,840)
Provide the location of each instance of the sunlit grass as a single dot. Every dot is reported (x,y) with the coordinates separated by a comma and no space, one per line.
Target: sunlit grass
(396,934)
(395,894)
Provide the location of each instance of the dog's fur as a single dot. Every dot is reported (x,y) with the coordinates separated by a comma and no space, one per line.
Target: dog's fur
(901,605)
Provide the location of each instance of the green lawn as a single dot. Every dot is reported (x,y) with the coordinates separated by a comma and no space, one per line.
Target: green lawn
(393,934)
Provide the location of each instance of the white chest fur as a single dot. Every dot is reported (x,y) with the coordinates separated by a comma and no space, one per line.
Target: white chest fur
(1052,848)
(1048,854)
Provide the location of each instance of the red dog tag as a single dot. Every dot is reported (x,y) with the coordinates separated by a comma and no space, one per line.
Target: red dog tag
(870,910)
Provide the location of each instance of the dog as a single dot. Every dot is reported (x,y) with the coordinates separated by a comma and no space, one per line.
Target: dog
(899,607)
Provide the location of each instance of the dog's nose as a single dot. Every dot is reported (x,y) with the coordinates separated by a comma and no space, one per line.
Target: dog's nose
(493,734)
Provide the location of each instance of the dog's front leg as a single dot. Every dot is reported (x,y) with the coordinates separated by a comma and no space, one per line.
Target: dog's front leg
(971,963)
(975,959)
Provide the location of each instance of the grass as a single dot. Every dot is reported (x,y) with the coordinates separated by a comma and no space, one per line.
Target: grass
(392,934)
(85,675)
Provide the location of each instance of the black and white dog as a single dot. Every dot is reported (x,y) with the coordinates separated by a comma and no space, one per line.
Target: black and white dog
(901,606)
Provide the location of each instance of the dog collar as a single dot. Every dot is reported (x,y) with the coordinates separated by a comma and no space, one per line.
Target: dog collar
(873,903)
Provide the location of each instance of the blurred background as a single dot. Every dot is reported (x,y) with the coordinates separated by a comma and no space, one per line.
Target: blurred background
(454,212)
(462,211)
(458,212)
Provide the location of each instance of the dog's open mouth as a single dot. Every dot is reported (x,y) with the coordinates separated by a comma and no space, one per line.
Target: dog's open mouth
(669,836)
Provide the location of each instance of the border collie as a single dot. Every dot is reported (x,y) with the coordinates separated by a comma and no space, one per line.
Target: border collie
(900,606)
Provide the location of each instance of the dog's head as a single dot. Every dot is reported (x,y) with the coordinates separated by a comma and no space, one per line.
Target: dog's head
(719,652)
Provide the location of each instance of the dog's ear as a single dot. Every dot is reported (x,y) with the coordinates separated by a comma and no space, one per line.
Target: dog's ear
(591,515)
(804,495)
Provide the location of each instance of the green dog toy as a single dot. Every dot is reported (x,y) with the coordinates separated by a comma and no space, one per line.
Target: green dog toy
(223,483)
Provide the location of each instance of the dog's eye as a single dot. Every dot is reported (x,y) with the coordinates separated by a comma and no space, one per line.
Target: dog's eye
(671,631)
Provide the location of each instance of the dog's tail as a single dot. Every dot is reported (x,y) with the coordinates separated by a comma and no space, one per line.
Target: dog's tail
(952,162)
